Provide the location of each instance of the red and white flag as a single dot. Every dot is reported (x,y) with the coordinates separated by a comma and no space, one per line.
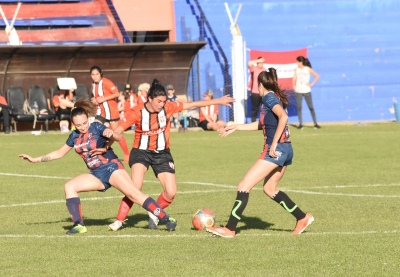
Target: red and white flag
(284,62)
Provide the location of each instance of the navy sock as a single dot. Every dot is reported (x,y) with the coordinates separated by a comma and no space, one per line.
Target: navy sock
(152,206)
(75,210)
(240,204)
(282,199)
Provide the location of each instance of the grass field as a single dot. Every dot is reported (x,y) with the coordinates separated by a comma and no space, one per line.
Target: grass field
(347,176)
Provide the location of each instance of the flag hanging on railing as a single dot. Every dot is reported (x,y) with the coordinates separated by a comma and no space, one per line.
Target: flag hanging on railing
(283,61)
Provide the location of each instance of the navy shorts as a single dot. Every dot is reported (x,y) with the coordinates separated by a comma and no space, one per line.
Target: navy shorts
(285,155)
(104,172)
(160,161)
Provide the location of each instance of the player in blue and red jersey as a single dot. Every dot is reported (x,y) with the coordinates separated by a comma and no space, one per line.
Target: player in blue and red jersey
(90,140)
(277,154)
(151,145)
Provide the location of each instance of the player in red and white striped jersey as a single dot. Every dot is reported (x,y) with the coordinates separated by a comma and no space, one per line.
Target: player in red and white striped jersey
(151,145)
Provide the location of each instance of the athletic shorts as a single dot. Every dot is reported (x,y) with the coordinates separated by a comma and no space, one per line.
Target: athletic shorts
(285,152)
(160,161)
(104,172)
(203,124)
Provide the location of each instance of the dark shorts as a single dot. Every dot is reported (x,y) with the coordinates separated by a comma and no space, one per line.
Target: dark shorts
(285,157)
(203,124)
(160,161)
(104,172)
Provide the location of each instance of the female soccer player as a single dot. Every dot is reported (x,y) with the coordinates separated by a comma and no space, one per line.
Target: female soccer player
(105,95)
(277,154)
(151,145)
(105,169)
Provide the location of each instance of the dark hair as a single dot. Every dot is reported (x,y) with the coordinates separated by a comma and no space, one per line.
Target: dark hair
(156,89)
(84,106)
(269,80)
(98,68)
(304,61)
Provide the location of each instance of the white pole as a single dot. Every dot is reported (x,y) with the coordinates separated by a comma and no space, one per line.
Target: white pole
(238,69)
(4,17)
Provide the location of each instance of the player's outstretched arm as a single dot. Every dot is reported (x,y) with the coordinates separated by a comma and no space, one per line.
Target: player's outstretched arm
(243,127)
(225,100)
(55,155)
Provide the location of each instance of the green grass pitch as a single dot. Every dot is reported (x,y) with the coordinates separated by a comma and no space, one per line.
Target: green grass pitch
(347,176)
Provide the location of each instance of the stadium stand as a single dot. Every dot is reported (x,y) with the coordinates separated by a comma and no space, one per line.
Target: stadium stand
(353,45)
(46,22)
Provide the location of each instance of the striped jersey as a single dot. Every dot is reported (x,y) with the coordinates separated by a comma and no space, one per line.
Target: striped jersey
(209,110)
(152,128)
(269,121)
(84,143)
(108,109)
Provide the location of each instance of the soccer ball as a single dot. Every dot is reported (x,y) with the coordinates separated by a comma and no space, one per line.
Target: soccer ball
(203,218)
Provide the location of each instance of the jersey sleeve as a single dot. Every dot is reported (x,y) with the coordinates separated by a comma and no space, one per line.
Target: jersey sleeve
(270,100)
(130,116)
(173,107)
(99,127)
(71,139)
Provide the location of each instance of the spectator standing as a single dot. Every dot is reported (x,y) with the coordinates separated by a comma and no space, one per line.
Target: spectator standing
(255,67)
(302,88)
(105,94)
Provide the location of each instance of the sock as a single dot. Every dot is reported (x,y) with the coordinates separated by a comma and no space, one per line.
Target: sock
(75,210)
(240,204)
(124,146)
(152,206)
(163,200)
(282,199)
(124,208)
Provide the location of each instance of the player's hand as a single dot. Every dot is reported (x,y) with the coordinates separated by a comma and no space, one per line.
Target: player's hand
(99,99)
(94,101)
(227,130)
(26,157)
(108,133)
(272,150)
(226,100)
(97,151)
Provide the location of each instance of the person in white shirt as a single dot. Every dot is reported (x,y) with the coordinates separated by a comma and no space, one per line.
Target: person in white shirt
(302,88)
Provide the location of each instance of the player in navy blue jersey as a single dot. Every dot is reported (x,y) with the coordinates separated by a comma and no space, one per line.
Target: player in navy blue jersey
(277,154)
(90,141)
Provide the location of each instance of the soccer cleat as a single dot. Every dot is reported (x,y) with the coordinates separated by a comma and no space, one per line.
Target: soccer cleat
(77,229)
(302,224)
(300,127)
(115,226)
(171,224)
(316,126)
(153,221)
(221,232)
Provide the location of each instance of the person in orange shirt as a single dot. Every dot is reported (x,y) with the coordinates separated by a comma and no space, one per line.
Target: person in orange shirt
(105,94)
(151,146)
(208,119)
(63,102)
(6,116)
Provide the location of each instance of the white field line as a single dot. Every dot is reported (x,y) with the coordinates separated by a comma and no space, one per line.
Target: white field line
(228,188)
(204,234)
